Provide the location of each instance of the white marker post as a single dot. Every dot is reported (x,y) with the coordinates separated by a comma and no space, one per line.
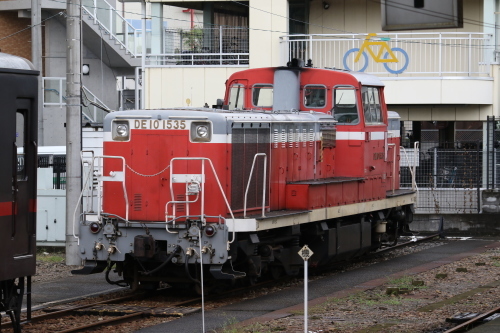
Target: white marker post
(305,253)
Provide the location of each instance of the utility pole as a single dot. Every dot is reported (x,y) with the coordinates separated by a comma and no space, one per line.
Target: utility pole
(73,128)
(36,59)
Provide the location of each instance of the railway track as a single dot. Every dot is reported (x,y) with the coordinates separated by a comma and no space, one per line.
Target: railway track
(408,243)
(113,311)
(476,321)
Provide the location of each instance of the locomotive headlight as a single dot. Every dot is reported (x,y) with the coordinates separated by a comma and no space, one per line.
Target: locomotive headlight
(120,130)
(201,131)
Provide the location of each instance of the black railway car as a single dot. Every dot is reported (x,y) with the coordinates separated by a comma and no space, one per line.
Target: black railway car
(18,132)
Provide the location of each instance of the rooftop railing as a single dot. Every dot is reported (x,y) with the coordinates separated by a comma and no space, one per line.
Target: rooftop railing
(395,54)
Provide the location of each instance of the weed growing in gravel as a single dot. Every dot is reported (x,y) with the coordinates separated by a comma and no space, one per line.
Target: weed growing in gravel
(404,282)
(254,328)
(50,255)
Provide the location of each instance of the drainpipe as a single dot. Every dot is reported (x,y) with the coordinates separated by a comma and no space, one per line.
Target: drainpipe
(192,16)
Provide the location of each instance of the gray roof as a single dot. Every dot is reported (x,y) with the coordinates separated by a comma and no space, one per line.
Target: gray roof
(15,62)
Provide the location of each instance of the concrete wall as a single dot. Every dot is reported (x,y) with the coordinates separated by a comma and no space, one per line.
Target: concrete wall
(101,81)
(171,87)
(458,224)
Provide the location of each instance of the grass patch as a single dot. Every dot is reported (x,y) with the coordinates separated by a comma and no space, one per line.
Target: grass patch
(254,328)
(51,255)
(404,282)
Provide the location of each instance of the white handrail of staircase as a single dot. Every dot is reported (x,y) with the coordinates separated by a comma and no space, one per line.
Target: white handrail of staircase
(112,11)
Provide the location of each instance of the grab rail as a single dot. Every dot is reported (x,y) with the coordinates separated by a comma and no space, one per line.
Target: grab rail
(263,185)
(184,176)
(114,176)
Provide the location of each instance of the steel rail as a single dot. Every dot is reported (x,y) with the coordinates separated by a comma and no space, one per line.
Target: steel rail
(405,244)
(104,322)
(56,314)
(473,321)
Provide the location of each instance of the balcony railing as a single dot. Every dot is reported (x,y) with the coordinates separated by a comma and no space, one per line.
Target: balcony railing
(221,46)
(395,54)
(53,95)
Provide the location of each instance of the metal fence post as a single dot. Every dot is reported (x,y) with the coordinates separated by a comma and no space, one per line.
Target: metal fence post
(478,182)
(434,167)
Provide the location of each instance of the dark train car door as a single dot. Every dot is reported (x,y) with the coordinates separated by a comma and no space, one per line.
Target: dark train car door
(18,136)
(25,202)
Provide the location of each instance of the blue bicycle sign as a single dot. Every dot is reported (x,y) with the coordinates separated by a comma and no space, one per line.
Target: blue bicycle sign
(390,57)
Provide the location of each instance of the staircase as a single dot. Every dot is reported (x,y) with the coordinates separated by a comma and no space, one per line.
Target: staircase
(111,37)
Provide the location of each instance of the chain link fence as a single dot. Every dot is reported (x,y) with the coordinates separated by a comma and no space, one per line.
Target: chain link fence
(449,177)
(493,153)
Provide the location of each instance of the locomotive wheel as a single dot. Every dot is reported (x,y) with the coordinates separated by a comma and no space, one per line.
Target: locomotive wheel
(12,300)
(149,285)
(276,272)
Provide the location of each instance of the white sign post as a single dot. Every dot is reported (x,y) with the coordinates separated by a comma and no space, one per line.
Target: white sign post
(305,253)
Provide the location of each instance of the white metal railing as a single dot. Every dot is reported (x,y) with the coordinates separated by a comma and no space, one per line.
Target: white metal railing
(54,89)
(391,54)
(220,46)
(114,24)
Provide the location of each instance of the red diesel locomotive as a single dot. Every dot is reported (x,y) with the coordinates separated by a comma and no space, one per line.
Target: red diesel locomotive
(292,156)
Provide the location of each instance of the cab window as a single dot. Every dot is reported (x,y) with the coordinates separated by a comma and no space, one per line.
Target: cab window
(237,96)
(345,109)
(262,95)
(371,106)
(314,96)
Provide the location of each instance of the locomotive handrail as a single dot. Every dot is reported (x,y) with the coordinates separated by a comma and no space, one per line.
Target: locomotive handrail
(203,159)
(174,217)
(412,167)
(413,174)
(83,189)
(263,185)
(102,178)
(393,145)
(90,202)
